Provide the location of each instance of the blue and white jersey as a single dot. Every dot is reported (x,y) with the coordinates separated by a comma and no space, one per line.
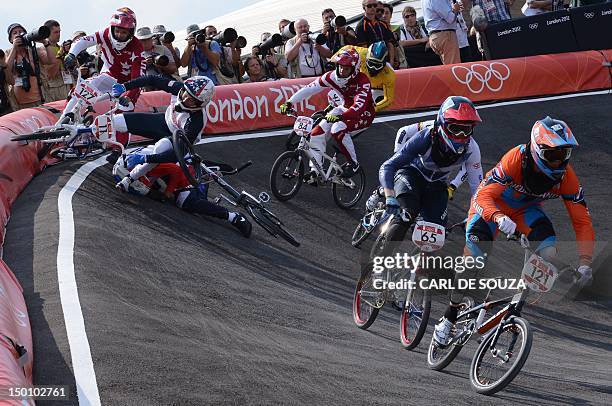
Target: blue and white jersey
(415,151)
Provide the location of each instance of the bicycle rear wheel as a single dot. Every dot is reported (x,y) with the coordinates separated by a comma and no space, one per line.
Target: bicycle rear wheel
(492,369)
(415,315)
(349,192)
(287,174)
(360,234)
(367,301)
(272,225)
(41,135)
(183,149)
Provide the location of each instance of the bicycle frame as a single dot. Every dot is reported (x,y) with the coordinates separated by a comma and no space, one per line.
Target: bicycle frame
(333,167)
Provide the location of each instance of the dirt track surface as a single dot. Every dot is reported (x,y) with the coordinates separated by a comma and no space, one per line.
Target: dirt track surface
(182,310)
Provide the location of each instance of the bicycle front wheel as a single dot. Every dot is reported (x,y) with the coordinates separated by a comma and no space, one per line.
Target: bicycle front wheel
(367,301)
(415,315)
(349,191)
(287,174)
(42,135)
(272,225)
(495,366)
(360,234)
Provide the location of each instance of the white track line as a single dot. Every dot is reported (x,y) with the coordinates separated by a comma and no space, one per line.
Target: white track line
(82,364)
(84,374)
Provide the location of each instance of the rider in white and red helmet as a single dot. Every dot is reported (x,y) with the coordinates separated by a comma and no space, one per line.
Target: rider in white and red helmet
(121,54)
(356,114)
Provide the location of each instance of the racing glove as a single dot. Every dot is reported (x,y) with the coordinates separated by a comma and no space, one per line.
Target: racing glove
(70,61)
(505,224)
(392,206)
(136,159)
(333,118)
(285,107)
(451,191)
(124,184)
(118,90)
(586,278)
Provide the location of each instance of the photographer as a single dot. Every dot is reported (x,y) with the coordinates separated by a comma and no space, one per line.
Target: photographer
(56,80)
(86,62)
(201,56)
(274,64)
(23,66)
(158,59)
(230,68)
(304,54)
(337,32)
(254,68)
(166,38)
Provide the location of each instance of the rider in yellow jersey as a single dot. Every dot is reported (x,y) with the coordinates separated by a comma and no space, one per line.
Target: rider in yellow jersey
(381,74)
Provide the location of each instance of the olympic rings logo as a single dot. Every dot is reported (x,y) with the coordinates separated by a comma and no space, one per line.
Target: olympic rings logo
(589,15)
(533,26)
(478,76)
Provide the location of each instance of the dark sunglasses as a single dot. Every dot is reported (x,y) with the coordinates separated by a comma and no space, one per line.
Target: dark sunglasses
(370,5)
(409,15)
(460,130)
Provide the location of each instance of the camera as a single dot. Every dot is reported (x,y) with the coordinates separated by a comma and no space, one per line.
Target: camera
(35,35)
(274,41)
(288,31)
(200,36)
(317,38)
(339,21)
(226,36)
(24,70)
(167,37)
(161,60)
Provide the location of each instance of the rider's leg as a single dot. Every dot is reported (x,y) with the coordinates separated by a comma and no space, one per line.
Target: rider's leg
(344,141)
(318,141)
(409,186)
(196,201)
(149,125)
(160,146)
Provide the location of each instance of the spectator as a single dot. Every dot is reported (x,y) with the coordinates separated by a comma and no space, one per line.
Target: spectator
(305,57)
(275,65)
(228,70)
(158,58)
(281,26)
(85,61)
(56,80)
(496,11)
(5,105)
(254,68)
(210,31)
(23,71)
(387,14)
(370,30)
(441,22)
(411,32)
(200,58)
(380,10)
(533,7)
(339,36)
(461,30)
(161,38)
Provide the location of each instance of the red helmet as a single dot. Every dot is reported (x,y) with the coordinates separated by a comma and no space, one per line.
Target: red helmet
(346,57)
(128,11)
(122,20)
(456,120)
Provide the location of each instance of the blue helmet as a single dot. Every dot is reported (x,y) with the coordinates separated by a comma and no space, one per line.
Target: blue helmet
(201,91)
(376,57)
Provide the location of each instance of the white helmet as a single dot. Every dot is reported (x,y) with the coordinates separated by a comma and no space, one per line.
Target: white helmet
(137,186)
(199,88)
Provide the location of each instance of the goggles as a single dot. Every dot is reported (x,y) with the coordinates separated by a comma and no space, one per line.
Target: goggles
(460,130)
(555,154)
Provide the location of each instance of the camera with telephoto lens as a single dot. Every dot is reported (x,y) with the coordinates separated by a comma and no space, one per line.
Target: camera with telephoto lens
(168,37)
(272,42)
(317,38)
(226,36)
(339,21)
(289,31)
(200,36)
(35,35)
(161,60)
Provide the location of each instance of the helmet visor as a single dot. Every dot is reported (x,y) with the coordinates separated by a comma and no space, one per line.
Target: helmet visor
(555,154)
(188,100)
(460,131)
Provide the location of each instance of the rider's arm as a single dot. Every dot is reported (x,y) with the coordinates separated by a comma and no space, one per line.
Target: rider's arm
(573,198)
(138,69)
(163,157)
(460,177)
(360,101)
(508,168)
(388,89)
(473,167)
(155,81)
(82,44)
(313,87)
(415,146)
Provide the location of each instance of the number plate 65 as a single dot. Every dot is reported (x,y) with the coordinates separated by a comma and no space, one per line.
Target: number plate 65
(303,125)
(428,236)
(538,274)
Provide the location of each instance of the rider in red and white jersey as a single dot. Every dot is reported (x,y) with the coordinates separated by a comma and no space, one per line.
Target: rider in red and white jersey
(121,53)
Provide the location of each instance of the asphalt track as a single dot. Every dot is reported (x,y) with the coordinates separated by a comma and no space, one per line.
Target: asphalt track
(181,310)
